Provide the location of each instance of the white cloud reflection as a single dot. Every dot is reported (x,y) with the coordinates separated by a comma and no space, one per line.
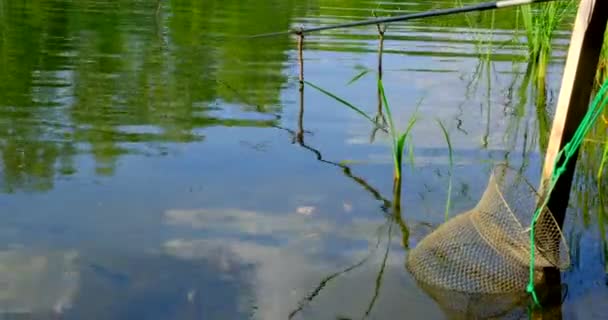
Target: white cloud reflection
(37,282)
(285,272)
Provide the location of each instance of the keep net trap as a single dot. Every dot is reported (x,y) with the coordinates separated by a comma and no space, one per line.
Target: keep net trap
(481,258)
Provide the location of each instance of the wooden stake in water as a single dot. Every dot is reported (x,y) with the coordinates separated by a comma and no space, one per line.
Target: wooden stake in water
(573,102)
(574,97)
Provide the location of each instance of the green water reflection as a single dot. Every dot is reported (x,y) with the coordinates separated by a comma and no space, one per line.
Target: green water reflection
(92,76)
(89,77)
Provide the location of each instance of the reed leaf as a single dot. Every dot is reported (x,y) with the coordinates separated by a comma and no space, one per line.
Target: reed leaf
(391,123)
(358,76)
(398,140)
(451,159)
(600,171)
(401,143)
(344,102)
(389,114)
(540,30)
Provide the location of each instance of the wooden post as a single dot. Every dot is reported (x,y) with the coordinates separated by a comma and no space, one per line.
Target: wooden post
(574,97)
(573,102)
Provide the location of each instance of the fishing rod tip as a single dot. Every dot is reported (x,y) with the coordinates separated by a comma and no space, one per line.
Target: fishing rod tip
(297,31)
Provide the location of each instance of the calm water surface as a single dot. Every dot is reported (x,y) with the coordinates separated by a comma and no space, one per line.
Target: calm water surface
(151,169)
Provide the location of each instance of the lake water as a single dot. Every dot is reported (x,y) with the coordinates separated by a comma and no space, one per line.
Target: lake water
(151,166)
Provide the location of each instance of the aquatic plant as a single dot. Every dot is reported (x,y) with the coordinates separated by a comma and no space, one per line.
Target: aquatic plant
(540,27)
(446,135)
(397,138)
(603,162)
(485,43)
(602,76)
(379,121)
(342,101)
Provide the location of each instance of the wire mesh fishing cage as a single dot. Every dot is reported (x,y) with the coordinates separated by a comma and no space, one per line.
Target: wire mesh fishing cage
(485,252)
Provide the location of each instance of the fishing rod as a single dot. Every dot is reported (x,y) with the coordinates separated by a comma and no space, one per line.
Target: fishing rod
(426,14)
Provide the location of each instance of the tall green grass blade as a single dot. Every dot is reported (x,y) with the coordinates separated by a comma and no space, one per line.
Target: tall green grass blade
(389,114)
(399,151)
(527,18)
(396,155)
(398,141)
(358,76)
(413,120)
(401,141)
(451,158)
(600,171)
(344,102)
(540,30)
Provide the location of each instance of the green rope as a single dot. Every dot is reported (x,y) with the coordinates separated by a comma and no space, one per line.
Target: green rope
(567,153)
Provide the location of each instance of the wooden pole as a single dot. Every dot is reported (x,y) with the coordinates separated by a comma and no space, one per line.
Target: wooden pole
(574,97)
(573,102)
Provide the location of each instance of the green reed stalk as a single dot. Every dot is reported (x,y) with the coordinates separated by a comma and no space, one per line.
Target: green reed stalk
(600,171)
(358,76)
(601,76)
(344,102)
(450,170)
(540,28)
(397,139)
